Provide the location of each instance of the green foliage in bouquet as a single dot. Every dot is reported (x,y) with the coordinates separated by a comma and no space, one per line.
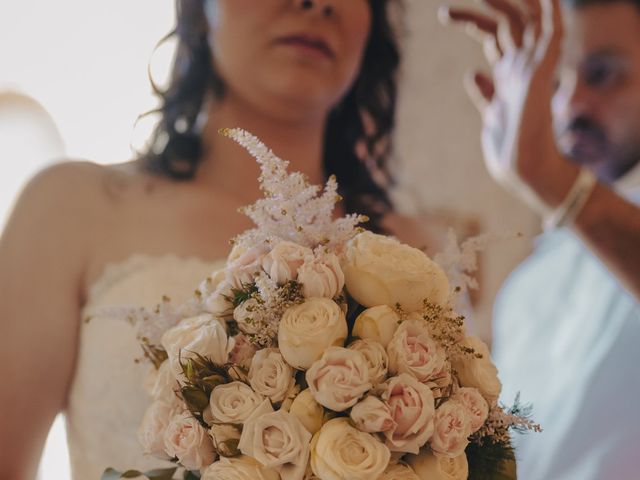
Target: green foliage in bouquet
(202,376)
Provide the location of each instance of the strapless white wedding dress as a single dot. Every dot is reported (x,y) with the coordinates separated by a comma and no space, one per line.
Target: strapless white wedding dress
(107,397)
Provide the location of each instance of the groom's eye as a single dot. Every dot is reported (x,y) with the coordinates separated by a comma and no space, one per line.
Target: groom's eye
(603,72)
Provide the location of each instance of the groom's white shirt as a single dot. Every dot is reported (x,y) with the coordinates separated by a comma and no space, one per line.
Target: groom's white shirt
(567,336)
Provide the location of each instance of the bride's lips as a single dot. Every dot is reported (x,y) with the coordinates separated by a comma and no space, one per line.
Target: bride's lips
(310,43)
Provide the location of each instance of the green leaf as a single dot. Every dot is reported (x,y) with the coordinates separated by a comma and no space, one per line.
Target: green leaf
(191,476)
(159,474)
(111,474)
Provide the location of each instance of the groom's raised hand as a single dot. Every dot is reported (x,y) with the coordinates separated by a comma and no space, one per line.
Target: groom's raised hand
(522,43)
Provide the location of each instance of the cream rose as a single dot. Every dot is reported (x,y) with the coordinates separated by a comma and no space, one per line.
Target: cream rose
(308,329)
(379,270)
(412,408)
(413,351)
(377,359)
(431,467)
(244,269)
(284,260)
(339,378)
(233,402)
(239,468)
(452,427)
(476,405)
(339,452)
(377,323)
(480,373)
(321,277)
(309,412)
(187,440)
(277,440)
(270,375)
(372,415)
(225,439)
(202,335)
(151,431)
(399,471)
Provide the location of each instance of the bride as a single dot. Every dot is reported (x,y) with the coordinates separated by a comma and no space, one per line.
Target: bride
(314,79)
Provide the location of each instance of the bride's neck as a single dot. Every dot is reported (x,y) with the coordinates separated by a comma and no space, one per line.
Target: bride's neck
(228,167)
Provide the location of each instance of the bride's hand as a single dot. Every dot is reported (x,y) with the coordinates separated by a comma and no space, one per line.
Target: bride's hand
(522,43)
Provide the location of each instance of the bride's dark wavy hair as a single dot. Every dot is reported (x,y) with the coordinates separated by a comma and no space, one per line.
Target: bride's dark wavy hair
(357,140)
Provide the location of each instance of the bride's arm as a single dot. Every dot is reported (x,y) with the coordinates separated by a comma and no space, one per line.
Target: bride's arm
(42,251)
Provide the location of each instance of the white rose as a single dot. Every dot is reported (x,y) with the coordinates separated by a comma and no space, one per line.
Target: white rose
(202,335)
(270,375)
(377,323)
(309,412)
(244,269)
(399,471)
(339,378)
(249,316)
(431,467)
(413,351)
(372,415)
(476,405)
(480,373)
(339,452)
(379,270)
(277,440)
(321,277)
(187,440)
(377,359)
(210,284)
(412,408)
(284,260)
(151,431)
(238,468)
(163,384)
(233,402)
(308,329)
(452,427)
(225,438)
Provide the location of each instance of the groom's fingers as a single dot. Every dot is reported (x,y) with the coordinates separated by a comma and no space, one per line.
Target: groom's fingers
(479,26)
(551,36)
(480,88)
(514,21)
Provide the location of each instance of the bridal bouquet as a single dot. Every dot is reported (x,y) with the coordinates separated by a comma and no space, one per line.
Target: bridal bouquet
(321,351)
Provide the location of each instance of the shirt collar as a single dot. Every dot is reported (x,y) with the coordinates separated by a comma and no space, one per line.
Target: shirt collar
(628,186)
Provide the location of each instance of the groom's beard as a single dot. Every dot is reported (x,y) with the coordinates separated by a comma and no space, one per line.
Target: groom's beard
(585,142)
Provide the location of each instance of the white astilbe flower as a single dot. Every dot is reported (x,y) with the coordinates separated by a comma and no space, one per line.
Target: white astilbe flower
(291,209)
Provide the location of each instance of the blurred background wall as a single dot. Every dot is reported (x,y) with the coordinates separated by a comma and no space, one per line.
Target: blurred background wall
(73,79)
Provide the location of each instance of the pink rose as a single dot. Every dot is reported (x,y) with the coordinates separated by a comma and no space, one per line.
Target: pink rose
(412,409)
(321,277)
(284,260)
(413,351)
(452,429)
(372,415)
(154,424)
(243,351)
(339,378)
(475,403)
(187,440)
(270,375)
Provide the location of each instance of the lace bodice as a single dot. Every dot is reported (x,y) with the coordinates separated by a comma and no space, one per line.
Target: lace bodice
(107,397)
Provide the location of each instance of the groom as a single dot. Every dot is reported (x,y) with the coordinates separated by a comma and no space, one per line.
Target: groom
(561,129)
